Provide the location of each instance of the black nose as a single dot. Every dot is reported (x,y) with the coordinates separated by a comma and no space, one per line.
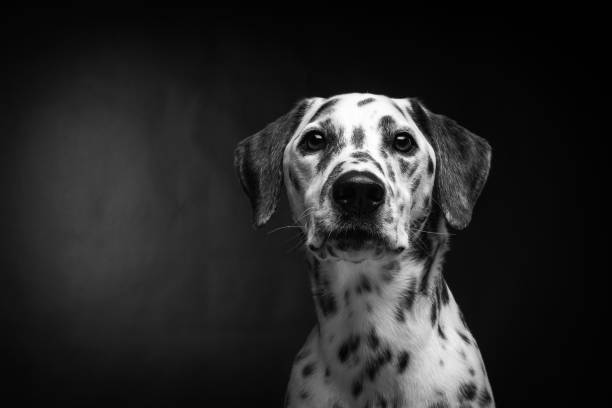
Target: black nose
(358,193)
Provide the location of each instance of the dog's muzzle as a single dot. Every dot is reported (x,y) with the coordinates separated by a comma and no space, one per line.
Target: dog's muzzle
(358,194)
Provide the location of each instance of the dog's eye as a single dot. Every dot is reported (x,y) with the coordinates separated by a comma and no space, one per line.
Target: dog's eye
(314,141)
(404,142)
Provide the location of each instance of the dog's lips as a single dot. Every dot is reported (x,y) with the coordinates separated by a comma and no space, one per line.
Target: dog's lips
(355,239)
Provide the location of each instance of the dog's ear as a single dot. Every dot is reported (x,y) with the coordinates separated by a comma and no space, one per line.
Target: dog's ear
(463,162)
(259,162)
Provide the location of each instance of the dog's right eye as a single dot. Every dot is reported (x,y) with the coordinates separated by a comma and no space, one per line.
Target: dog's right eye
(313,141)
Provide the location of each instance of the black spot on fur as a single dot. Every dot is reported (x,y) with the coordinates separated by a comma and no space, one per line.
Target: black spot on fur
(472,371)
(444,295)
(439,404)
(399,314)
(391,173)
(348,347)
(404,166)
(427,271)
(356,388)
(308,369)
(304,394)
(327,303)
(327,372)
(365,101)
(464,337)
(373,340)
(347,297)
(334,145)
(416,184)
(381,401)
(327,107)
(374,364)
(402,361)
(387,126)
(441,333)
(357,137)
(325,299)
(364,285)
(434,312)
(430,166)
(485,398)
(467,391)
(408,295)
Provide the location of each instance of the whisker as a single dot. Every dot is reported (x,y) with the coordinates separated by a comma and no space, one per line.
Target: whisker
(284,227)
(301,241)
(431,232)
(305,213)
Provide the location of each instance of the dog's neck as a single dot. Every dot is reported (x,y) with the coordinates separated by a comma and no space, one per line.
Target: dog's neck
(393,300)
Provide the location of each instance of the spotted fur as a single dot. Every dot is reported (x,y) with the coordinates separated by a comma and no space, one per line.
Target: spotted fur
(389,332)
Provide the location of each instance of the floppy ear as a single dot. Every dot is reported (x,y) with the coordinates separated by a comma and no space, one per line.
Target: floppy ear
(259,162)
(463,162)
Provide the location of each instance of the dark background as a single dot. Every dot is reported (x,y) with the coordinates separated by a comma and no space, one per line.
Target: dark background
(130,271)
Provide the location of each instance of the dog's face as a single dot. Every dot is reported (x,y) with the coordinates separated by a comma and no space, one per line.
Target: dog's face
(358,171)
(363,171)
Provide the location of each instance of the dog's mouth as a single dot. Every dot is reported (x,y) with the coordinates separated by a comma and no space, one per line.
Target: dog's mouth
(355,238)
(352,242)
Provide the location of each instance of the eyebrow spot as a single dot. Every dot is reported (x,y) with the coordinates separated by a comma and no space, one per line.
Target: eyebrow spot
(325,108)
(365,101)
(386,125)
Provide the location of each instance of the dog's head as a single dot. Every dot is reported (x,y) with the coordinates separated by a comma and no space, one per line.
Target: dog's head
(362,171)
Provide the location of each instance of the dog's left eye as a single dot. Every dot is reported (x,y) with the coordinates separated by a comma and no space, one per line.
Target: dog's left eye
(404,142)
(314,141)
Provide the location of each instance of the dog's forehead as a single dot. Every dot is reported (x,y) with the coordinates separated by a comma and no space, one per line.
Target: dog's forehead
(361,110)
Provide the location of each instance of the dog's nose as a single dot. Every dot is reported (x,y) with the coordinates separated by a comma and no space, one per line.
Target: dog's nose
(358,193)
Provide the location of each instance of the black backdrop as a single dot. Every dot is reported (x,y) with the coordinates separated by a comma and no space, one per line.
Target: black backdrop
(130,271)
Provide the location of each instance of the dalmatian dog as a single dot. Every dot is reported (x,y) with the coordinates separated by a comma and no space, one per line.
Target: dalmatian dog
(375,183)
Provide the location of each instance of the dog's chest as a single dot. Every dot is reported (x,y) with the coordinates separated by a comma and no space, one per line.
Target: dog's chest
(372,359)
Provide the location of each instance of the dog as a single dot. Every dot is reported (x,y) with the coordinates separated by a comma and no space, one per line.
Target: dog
(375,183)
